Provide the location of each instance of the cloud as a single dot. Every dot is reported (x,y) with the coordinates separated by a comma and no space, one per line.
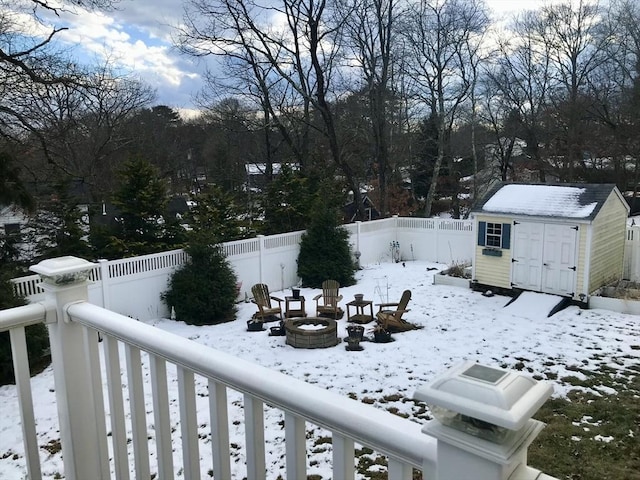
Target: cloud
(127,45)
(135,38)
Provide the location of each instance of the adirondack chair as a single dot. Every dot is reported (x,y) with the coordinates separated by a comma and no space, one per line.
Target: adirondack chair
(327,301)
(389,315)
(267,310)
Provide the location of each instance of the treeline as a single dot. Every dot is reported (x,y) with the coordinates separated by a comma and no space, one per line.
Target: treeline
(415,102)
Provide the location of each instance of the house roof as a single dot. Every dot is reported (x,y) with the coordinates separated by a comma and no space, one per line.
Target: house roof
(575,201)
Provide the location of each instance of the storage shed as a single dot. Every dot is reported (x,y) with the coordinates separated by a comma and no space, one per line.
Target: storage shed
(565,239)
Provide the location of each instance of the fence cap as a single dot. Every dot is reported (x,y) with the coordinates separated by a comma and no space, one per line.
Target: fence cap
(63,270)
(471,394)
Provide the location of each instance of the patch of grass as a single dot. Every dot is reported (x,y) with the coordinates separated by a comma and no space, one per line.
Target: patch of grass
(392,398)
(323,441)
(590,436)
(53,447)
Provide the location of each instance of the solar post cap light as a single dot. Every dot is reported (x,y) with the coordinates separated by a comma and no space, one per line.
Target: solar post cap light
(63,270)
(482,401)
(482,420)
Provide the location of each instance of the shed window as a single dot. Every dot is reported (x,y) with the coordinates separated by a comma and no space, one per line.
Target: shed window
(11,228)
(495,235)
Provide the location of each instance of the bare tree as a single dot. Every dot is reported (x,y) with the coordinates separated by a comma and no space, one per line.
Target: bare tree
(370,34)
(500,119)
(576,47)
(29,63)
(300,52)
(77,130)
(521,77)
(438,35)
(615,89)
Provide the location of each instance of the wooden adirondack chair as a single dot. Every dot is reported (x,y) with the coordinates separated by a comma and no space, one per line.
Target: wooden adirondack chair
(391,318)
(327,301)
(266,308)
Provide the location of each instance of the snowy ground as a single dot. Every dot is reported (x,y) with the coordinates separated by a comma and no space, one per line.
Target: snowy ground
(458,325)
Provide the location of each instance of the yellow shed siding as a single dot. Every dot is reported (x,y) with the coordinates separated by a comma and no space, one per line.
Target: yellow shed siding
(495,271)
(581,258)
(607,243)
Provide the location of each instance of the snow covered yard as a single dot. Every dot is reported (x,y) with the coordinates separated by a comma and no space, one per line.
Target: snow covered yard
(459,324)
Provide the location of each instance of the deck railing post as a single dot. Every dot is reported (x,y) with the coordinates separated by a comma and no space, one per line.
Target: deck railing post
(65,282)
(482,421)
(462,456)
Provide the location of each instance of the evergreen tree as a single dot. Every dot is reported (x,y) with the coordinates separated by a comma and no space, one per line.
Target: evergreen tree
(287,202)
(142,225)
(324,247)
(216,215)
(60,227)
(12,190)
(203,290)
(427,146)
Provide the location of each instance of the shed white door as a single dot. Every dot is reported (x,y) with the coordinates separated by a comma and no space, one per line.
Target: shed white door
(544,257)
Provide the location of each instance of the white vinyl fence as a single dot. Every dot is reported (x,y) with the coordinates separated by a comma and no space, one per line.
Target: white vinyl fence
(132,286)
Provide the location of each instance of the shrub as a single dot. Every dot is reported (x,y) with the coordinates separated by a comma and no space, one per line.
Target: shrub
(37,336)
(324,249)
(203,291)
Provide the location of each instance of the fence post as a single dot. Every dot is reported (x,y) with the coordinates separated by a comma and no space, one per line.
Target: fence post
(260,257)
(358,251)
(104,278)
(64,281)
(436,230)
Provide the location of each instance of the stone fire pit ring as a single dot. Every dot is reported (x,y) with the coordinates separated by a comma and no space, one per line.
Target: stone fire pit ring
(311,332)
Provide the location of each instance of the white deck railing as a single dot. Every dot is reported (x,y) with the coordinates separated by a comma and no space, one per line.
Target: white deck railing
(85,405)
(349,421)
(14,321)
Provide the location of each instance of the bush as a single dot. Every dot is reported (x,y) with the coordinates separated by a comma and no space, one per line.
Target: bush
(203,291)
(37,336)
(324,249)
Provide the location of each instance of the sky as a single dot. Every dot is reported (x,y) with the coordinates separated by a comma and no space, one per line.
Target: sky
(137,36)
(458,325)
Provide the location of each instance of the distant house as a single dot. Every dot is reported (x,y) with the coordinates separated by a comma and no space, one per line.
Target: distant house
(565,239)
(350,212)
(516,147)
(12,220)
(257,174)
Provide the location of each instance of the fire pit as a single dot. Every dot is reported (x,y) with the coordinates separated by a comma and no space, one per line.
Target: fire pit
(311,332)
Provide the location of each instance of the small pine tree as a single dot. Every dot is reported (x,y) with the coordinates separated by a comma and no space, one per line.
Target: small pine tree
(203,291)
(324,248)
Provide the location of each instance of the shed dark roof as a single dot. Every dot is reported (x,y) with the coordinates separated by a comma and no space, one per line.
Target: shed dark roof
(565,200)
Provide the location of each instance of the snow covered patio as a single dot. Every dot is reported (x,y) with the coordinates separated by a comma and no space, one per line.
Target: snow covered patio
(459,324)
